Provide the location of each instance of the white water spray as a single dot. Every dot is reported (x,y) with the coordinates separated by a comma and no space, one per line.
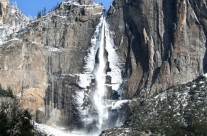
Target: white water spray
(100,77)
(101,41)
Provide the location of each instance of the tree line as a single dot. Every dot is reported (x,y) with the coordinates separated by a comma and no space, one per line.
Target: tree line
(44,11)
(13,120)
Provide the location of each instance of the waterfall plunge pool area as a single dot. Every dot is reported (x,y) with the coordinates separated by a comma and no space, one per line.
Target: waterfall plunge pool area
(57,131)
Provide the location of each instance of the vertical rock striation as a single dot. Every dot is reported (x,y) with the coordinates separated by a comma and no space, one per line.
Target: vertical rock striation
(42,60)
(162,43)
(159,43)
(3,6)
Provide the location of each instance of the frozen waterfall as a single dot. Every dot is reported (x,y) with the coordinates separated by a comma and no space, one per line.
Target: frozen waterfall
(100,77)
(95,104)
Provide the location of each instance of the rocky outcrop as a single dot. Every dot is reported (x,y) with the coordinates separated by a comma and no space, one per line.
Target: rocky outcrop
(162,43)
(85,2)
(159,44)
(11,20)
(41,61)
(179,110)
(3,6)
(21,70)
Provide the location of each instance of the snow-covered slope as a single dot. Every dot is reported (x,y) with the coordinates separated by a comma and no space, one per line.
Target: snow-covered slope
(180,110)
(12,22)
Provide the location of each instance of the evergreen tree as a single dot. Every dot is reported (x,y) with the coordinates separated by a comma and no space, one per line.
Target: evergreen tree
(15,122)
(44,11)
(39,15)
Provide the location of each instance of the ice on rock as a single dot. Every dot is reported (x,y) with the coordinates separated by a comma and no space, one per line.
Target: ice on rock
(100,77)
(119,104)
(101,41)
(57,131)
(205,75)
(113,59)
(90,58)
(18,22)
(90,6)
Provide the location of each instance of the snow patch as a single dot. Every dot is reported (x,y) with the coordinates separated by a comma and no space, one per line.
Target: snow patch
(193,86)
(57,131)
(118,104)
(52,49)
(55,114)
(84,79)
(18,22)
(90,58)
(70,2)
(114,64)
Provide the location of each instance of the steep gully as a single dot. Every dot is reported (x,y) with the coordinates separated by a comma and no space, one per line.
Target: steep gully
(102,82)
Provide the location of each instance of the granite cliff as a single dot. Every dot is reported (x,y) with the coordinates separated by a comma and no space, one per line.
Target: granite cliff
(178,111)
(153,44)
(39,61)
(162,43)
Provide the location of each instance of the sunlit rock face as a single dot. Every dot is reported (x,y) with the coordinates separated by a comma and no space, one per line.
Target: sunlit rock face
(20,70)
(99,101)
(4,2)
(162,43)
(11,20)
(40,61)
(85,2)
(71,67)
(3,6)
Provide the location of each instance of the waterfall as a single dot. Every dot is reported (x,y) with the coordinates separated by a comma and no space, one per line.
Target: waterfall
(103,51)
(100,114)
(100,77)
(97,109)
(96,69)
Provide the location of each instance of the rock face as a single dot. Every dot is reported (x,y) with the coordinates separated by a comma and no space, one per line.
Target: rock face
(159,44)
(162,43)
(11,20)
(179,110)
(85,2)
(3,6)
(40,61)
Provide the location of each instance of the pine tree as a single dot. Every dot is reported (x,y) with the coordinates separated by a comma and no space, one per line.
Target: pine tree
(44,11)
(39,15)
(15,122)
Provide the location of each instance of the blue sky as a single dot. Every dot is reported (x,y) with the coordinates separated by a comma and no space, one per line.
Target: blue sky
(31,7)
